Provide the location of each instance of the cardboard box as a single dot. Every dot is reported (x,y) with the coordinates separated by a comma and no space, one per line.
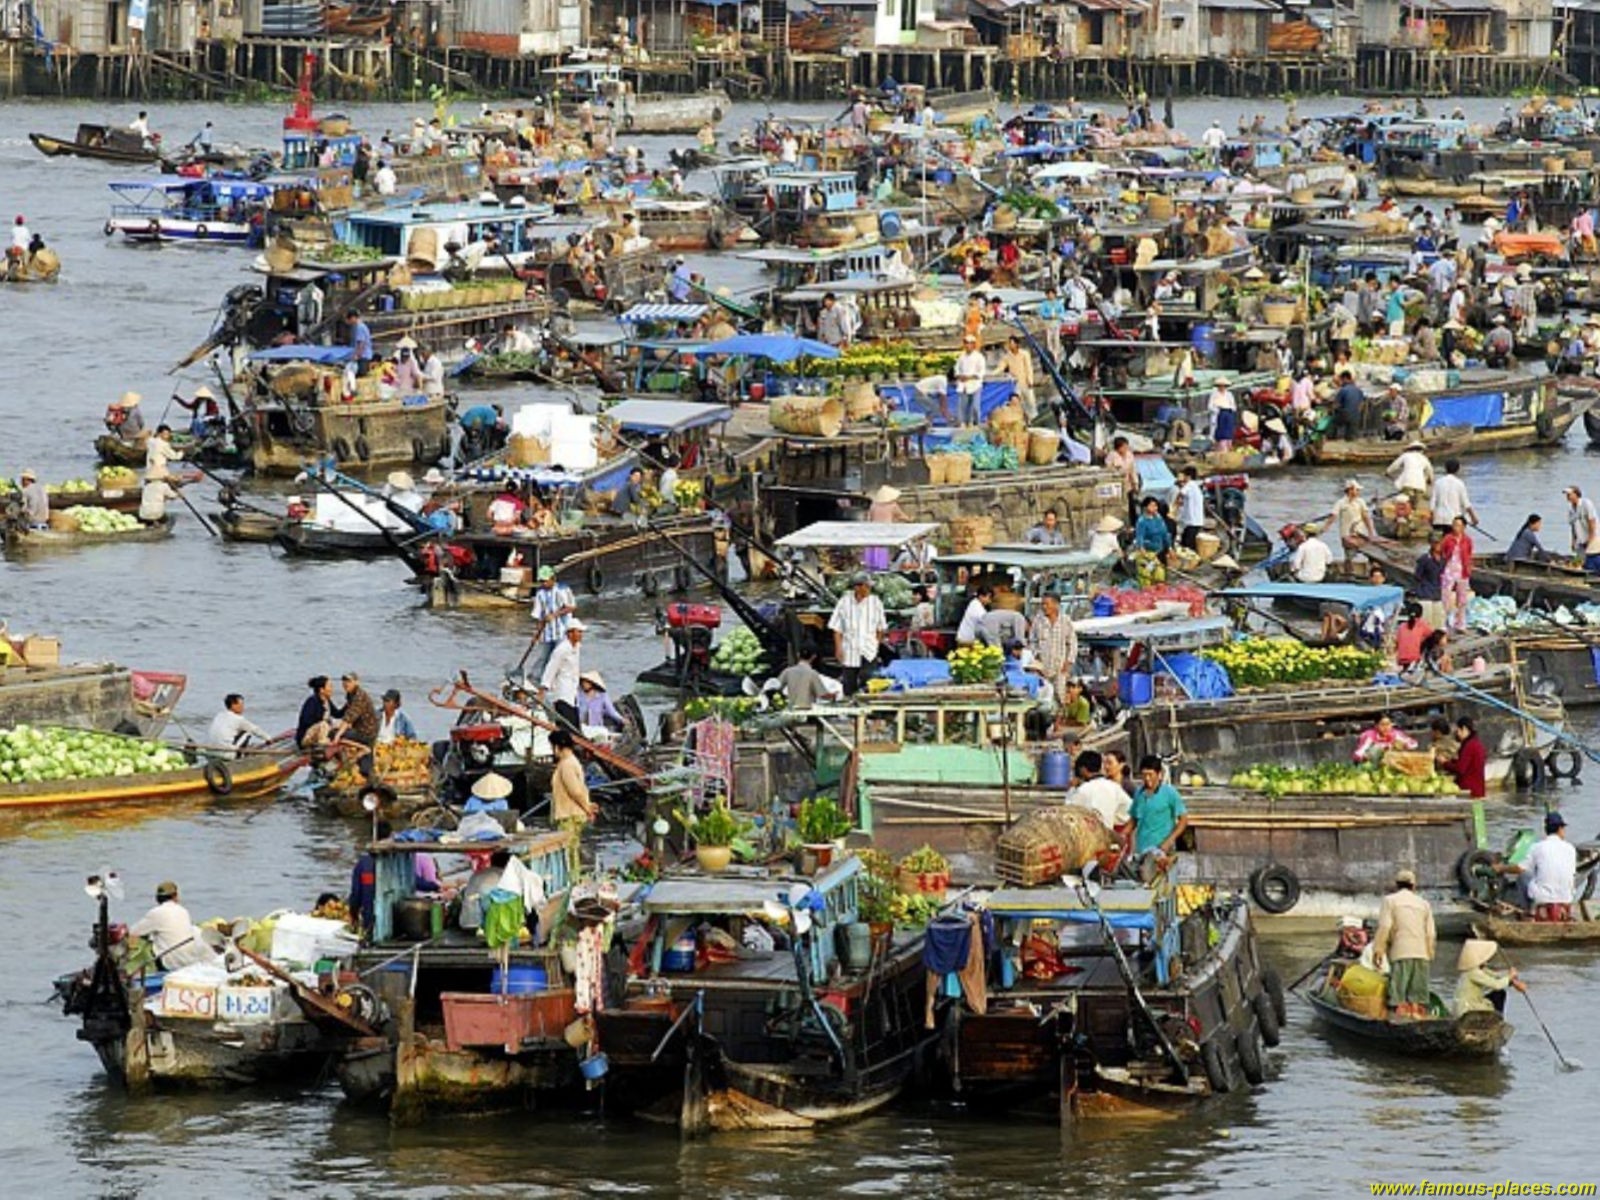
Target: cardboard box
(41,651)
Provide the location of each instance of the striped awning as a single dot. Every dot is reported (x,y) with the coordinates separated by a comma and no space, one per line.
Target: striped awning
(641,313)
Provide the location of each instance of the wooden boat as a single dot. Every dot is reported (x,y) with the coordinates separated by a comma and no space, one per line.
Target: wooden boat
(26,541)
(1114,1040)
(246,525)
(1514,931)
(243,779)
(100,696)
(42,267)
(360,436)
(785,1039)
(1591,426)
(98,141)
(114,451)
(1472,1035)
(1529,583)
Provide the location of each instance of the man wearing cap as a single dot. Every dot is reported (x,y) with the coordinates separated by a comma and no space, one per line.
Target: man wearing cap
(1550,872)
(1407,939)
(858,622)
(970,369)
(1354,518)
(1412,473)
(558,683)
(171,931)
(1478,989)
(35,502)
(358,721)
(554,608)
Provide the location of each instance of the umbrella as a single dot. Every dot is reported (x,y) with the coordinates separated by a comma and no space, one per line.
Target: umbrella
(779,347)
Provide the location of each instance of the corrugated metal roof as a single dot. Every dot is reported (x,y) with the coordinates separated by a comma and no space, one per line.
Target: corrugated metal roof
(1241,5)
(1111,5)
(1454,7)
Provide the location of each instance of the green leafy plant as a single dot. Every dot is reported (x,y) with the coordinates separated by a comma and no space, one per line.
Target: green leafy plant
(822,820)
(925,860)
(717,826)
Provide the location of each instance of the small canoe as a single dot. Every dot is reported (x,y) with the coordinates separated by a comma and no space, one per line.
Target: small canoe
(1510,931)
(23,540)
(245,779)
(1472,1035)
(115,452)
(97,141)
(247,525)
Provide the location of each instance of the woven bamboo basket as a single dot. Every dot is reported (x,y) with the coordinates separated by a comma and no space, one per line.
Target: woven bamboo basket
(1048,844)
(816,416)
(970,534)
(937,464)
(1043,446)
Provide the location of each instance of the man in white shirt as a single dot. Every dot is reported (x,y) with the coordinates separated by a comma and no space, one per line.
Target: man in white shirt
(858,622)
(1311,558)
(171,931)
(159,453)
(141,125)
(1549,873)
(1214,139)
(1450,499)
(1104,797)
(230,727)
(153,500)
(1191,514)
(1412,472)
(558,684)
(384,180)
(970,370)
(971,626)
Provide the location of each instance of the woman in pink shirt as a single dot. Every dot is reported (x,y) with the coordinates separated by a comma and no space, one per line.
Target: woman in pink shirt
(1409,636)
(1382,736)
(1456,550)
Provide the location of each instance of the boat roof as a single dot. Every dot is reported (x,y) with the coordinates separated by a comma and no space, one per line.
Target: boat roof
(1359,596)
(641,313)
(814,293)
(797,255)
(1184,631)
(797,178)
(666,416)
(1026,556)
(856,534)
(299,353)
(732,895)
(420,214)
(177,185)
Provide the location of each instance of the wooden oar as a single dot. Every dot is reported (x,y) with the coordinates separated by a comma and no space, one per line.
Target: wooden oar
(1563,1063)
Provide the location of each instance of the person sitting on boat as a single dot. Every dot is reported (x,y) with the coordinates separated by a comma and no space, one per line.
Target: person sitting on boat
(1500,343)
(393,723)
(1412,473)
(357,724)
(35,499)
(1549,873)
(1526,546)
(1354,519)
(538,517)
(315,724)
(172,933)
(1410,635)
(153,499)
(231,728)
(205,415)
(1478,988)
(1105,541)
(124,419)
(1157,813)
(1152,534)
(407,373)
(1406,940)
(1048,531)
(1382,736)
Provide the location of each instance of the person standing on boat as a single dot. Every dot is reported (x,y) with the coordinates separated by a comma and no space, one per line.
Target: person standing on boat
(360,340)
(1455,549)
(160,452)
(1479,989)
(1348,404)
(1100,795)
(970,369)
(1585,526)
(1152,534)
(35,501)
(153,498)
(1054,642)
(1223,409)
(1450,498)
(407,374)
(571,809)
(1406,939)
(1354,519)
(1412,473)
(1017,362)
(358,722)
(554,610)
(858,623)
(1157,812)
(558,682)
(1191,508)
(172,932)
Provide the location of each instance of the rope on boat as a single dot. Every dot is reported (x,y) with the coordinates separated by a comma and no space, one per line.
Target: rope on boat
(1561,735)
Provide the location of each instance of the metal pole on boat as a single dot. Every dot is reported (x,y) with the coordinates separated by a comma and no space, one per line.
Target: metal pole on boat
(1005,751)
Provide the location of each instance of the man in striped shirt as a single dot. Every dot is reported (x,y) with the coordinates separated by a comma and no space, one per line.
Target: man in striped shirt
(553,608)
(1054,643)
(858,622)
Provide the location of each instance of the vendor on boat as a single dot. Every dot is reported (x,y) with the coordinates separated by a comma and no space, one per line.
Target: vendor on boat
(1584,524)
(1412,473)
(407,372)
(1354,519)
(558,682)
(1479,989)
(231,728)
(204,414)
(358,722)
(1048,531)
(1105,541)
(1526,546)
(1312,556)
(35,501)
(1382,736)
(125,420)
(153,498)
(1157,811)
(1549,873)
(315,725)
(1468,761)
(858,624)
(159,453)
(172,933)
(1409,636)
(595,710)
(970,629)
(1406,939)
(393,723)
(1102,796)
(1152,534)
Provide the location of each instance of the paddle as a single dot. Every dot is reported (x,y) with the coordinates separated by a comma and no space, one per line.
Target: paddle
(1563,1063)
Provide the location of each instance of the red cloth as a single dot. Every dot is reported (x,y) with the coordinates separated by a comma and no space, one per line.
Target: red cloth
(1469,766)
(1448,547)
(1549,913)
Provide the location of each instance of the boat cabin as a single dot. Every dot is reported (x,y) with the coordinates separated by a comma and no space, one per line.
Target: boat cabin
(423,234)
(305,151)
(1026,571)
(209,209)
(800,194)
(885,306)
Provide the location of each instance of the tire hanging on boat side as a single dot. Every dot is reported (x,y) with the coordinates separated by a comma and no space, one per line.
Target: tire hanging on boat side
(341,449)
(1527,770)
(363,450)
(1563,754)
(1272,983)
(595,580)
(1218,1063)
(1252,1060)
(1274,888)
(218,777)
(1267,1019)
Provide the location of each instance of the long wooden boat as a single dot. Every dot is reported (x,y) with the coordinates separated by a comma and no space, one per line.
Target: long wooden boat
(242,779)
(97,141)
(116,452)
(1550,430)
(786,1039)
(1472,1035)
(99,696)
(1528,583)
(246,525)
(21,540)
(1510,931)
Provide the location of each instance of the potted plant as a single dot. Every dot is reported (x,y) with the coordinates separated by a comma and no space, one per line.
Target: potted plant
(878,893)
(822,825)
(714,832)
(924,872)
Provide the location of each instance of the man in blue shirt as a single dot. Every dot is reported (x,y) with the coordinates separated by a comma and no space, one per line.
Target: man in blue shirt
(1158,815)
(360,339)
(678,284)
(1347,404)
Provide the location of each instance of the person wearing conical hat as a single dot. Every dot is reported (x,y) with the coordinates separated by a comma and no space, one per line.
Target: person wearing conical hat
(204,415)
(884,509)
(125,420)
(1480,988)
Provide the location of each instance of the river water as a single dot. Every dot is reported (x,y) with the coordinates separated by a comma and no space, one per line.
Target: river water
(242,618)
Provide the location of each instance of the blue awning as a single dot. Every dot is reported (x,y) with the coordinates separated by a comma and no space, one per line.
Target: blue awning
(779,347)
(1358,596)
(325,355)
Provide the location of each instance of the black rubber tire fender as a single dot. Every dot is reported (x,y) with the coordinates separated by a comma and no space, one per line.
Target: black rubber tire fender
(109,229)
(1267,1019)
(341,449)
(1272,982)
(1180,433)
(1218,1063)
(201,233)
(363,449)
(218,776)
(1563,762)
(1474,868)
(1252,1057)
(419,450)
(649,583)
(1274,888)
(1527,770)
(595,580)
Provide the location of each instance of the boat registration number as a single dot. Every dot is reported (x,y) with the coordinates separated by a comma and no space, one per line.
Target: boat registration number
(241,1004)
(189,1000)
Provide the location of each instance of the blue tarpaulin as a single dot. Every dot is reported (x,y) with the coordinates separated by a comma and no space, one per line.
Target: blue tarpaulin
(904,397)
(779,347)
(1201,678)
(1482,409)
(316,354)
(909,673)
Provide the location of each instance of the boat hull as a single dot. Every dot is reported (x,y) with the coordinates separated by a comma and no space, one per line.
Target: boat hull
(245,780)
(358,436)
(54,147)
(179,231)
(29,541)
(1537,933)
(1474,1035)
(202,1054)
(89,696)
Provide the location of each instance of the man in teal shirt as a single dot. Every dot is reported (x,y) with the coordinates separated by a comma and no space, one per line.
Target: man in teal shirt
(1159,817)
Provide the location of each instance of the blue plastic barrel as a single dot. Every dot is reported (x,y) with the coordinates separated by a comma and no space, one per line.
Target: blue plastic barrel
(1055,769)
(1103,606)
(1203,337)
(522,980)
(890,225)
(944,176)
(680,957)
(1135,688)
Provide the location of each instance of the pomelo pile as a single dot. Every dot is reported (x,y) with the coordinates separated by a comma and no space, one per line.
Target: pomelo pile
(33,755)
(92,519)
